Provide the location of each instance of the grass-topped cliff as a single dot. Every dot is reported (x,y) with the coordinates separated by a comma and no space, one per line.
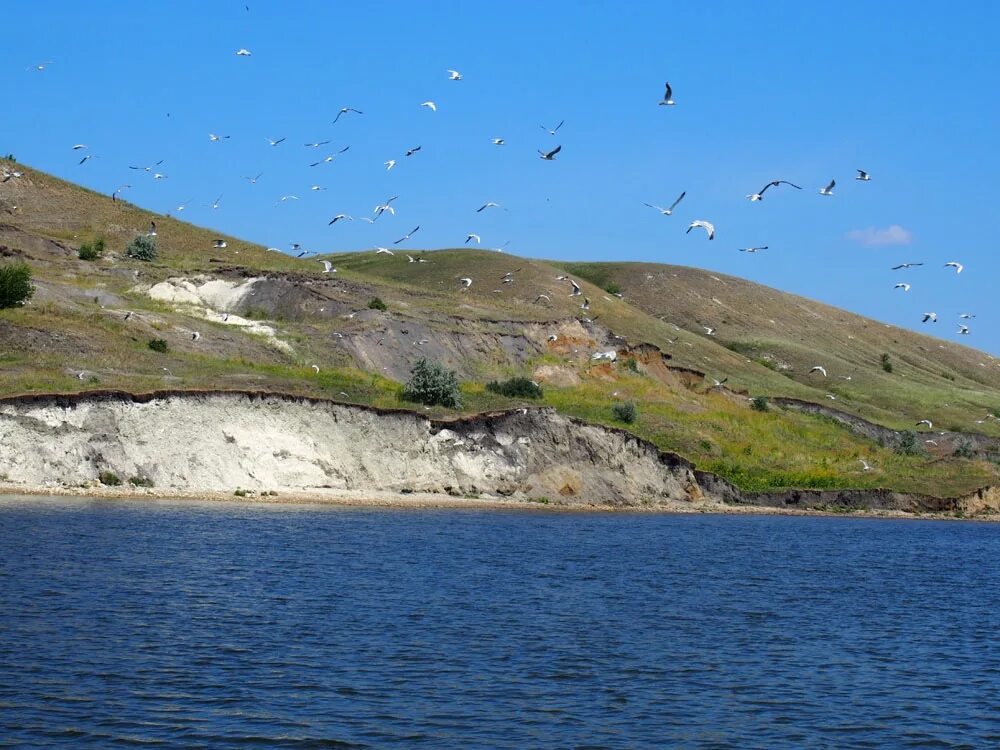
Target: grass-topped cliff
(269,321)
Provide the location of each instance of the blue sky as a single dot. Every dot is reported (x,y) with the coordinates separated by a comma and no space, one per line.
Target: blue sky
(799,91)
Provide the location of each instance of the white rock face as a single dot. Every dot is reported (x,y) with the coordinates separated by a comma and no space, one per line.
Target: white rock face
(222,441)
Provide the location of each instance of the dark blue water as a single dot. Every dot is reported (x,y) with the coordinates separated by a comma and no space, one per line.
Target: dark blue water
(126,623)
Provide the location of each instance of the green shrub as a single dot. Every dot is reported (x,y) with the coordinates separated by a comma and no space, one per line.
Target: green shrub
(516,388)
(375,303)
(142,248)
(10,157)
(632,365)
(964,450)
(886,363)
(759,403)
(158,345)
(15,284)
(907,443)
(140,481)
(109,478)
(91,250)
(612,288)
(431,384)
(625,412)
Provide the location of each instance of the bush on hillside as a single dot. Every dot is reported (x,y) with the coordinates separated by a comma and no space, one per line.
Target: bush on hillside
(516,388)
(109,478)
(91,250)
(759,403)
(375,303)
(886,363)
(432,385)
(907,443)
(612,288)
(142,248)
(10,157)
(15,285)
(158,345)
(625,412)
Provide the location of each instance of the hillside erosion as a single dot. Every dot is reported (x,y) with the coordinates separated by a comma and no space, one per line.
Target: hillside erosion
(223,440)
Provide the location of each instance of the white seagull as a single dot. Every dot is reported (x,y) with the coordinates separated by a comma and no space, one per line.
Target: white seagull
(863,176)
(344,111)
(963,329)
(489,204)
(216,138)
(828,190)
(864,465)
(554,130)
(454,75)
(670,210)
(930,425)
(383,251)
(818,368)
(904,287)
(389,164)
(471,237)
(328,267)
(550,155)
(759,195)
(497,141)
(219,244)
(340,217)
(667,96)
(957,266)
(753,249)
(931,316)
(430,105)
(706,225)
(466,282)
(407,235)
(243,52)
(906,266)
(274,142)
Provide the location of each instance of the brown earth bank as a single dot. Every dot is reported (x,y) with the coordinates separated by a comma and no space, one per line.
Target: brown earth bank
(200,443)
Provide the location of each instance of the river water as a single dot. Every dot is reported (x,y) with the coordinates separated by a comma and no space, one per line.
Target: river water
(171,624)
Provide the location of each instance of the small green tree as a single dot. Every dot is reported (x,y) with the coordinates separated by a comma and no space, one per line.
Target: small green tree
(91,250)
(142,248)
(15,284)
(907,442)
(625,412)
(612,288)
(376,303)
(158,345)
(886,363)
(431,384)
(759,403)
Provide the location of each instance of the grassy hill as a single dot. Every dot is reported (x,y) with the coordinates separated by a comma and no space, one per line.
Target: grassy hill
(269,321)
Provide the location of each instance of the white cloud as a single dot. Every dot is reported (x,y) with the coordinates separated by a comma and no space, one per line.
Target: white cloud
(891,235)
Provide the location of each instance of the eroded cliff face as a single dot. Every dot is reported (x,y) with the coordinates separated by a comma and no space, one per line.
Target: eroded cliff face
(223,441)
(220,441)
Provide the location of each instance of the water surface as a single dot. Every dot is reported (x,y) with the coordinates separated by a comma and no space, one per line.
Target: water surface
(208,625)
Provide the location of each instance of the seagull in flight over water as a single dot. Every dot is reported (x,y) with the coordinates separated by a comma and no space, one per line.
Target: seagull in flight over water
(759,195)
(344,111)
(552,131)
(828,190)
(906,265)
(670,210)
(957,266)
(708,226)
(407,235)
(667,95)
(863,176)
(550,155)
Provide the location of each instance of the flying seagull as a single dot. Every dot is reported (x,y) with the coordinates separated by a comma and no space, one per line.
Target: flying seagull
(219,244)
(412,151)
(407,235)
(195,336)
(553,130)
(243,52)
(551,155)
(957,266)
(903,286)
(818,368)
(489,204)
(667,95)
(753,249)
(328,267)
(39,67)
(863,176)
(389,164)
(149,169)
(576,289)
(472,237)
(963,329)
(274,142)
(317,144)
(967,316)
(217,138)
(931,316)
(253,180)
(670,210)
(87,158)
(864,465)
(79,146)
(430,105)
(706,225)
(339,217)
(329,158)
(828,190)
(454,75)
(497,141)
(759,196)
(344,111)
(466,282)
(217,202)
(383,251)
(930,425)
(906,265)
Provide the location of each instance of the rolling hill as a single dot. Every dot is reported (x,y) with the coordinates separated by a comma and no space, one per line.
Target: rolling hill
(267,321)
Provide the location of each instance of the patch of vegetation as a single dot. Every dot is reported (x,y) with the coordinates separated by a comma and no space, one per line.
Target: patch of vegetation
(907,443)
(376,303)
(159,345)
(539,500)
(109,478)
(15,285)
(142,248)
(140,481)
(886,363)
(964,450)
(242,493)
(10,157)
(431,384)
(760,403)
(516,388)
(626,412)
(632,365)
(612,288)
(91,250)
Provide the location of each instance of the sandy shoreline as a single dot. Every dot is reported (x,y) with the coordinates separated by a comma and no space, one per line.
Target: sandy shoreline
(435,501)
